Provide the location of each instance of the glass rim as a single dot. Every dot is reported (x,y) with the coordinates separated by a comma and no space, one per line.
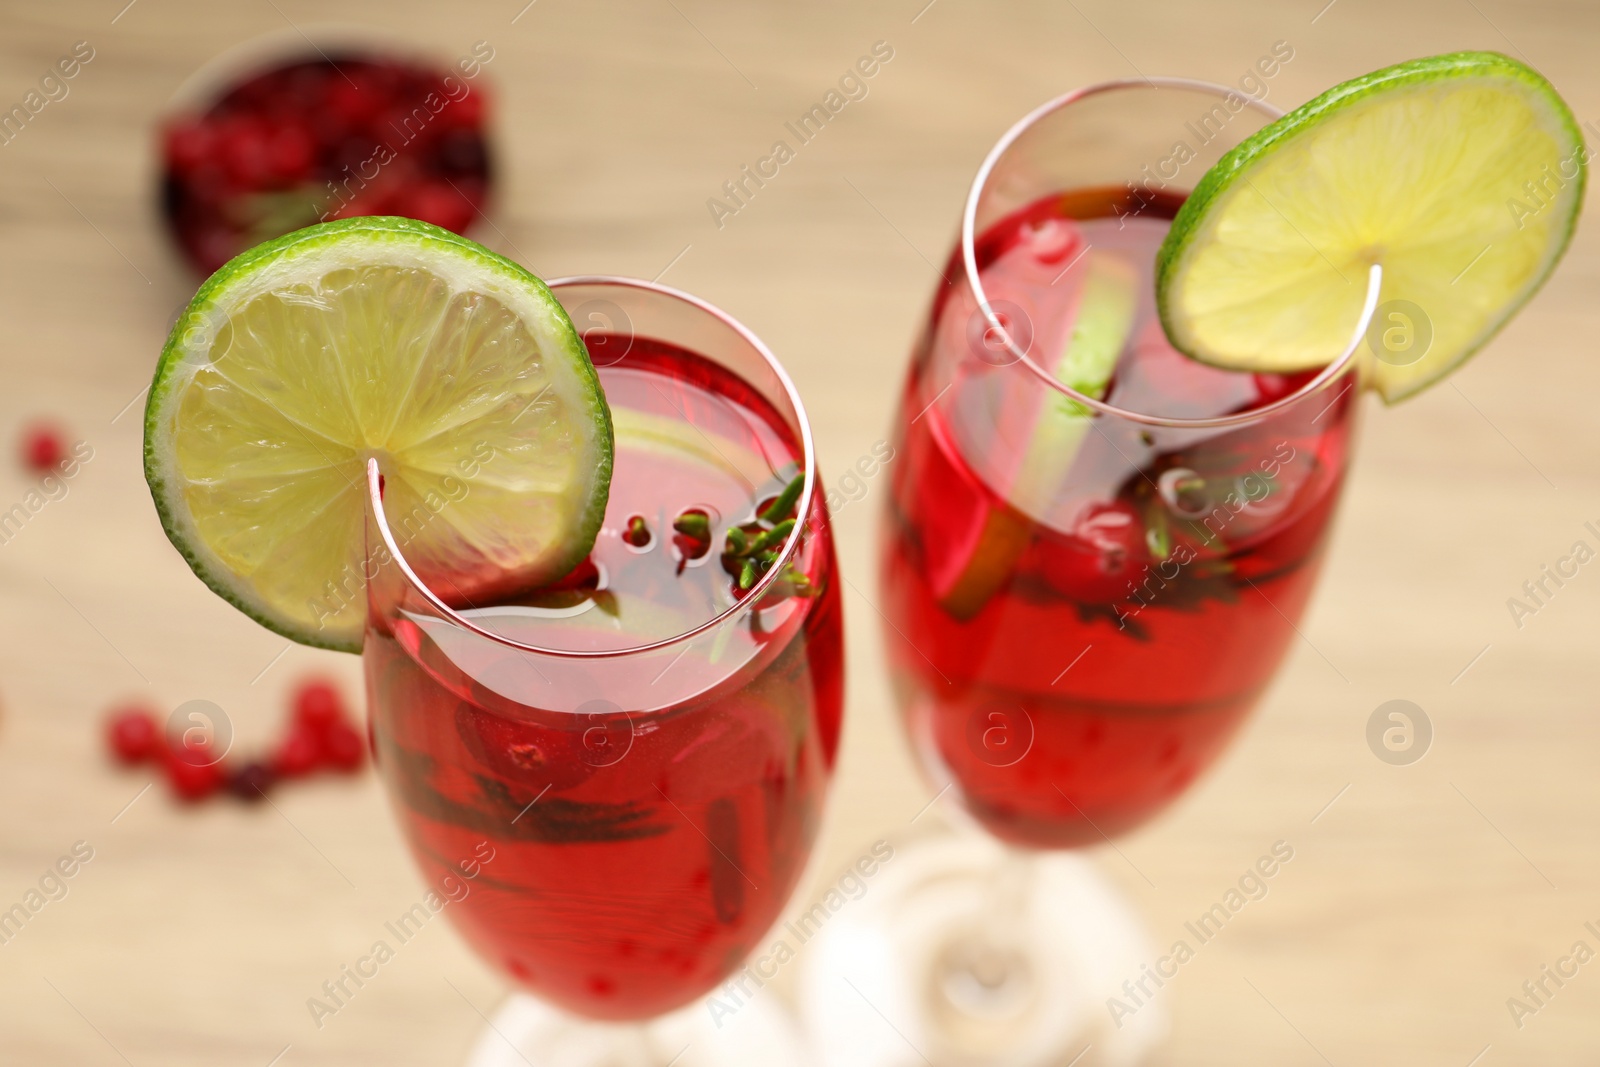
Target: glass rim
(969,258)
(726,616)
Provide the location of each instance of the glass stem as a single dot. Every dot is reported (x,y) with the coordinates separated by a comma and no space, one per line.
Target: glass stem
(999,959)
(1010,890)
(986,973)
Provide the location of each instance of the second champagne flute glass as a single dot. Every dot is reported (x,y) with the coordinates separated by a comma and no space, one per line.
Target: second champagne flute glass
(1087,584)
(621,778)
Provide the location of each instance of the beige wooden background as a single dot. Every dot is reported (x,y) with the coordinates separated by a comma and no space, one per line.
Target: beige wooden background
(1417,903)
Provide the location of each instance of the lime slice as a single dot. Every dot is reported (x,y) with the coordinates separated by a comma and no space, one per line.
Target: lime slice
(1461,175)
(1101,326)
(386,338)
(994,538)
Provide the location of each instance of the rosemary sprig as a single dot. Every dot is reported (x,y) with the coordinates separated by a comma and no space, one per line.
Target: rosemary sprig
(749,553)
(776,536)
(695,525)
(781,507)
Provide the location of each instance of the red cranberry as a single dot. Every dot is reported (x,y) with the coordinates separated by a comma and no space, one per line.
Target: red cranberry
(1105,552)
(245,152)
(188,145)
(343,748)
(303,89)
(43,449)
(353,103)
(532,754)
(317,707)
(252,781)
(290,154)
(300,754)
(465,113)
(439,204)
(193,772)
(134,735)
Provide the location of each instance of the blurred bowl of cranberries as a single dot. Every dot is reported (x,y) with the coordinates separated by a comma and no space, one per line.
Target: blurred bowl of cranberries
(257,147)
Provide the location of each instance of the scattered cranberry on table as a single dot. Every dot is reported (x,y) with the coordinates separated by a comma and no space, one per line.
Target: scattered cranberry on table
(317,707)
(343,749)
(320,737)
(193,771)
(44,448)
(322,138)
(299,755)
(251,782)
(134,735)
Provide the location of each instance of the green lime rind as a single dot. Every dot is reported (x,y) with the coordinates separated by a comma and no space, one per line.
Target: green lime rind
(1188,225)
(207,309)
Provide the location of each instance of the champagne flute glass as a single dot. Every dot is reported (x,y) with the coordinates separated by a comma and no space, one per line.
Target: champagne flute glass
(614,784)
(1087,585)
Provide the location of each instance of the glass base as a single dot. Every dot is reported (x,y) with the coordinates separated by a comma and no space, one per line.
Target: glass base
(529,1033)
(964,952)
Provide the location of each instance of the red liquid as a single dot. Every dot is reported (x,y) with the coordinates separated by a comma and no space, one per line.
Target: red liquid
(641,852)
(1072,669)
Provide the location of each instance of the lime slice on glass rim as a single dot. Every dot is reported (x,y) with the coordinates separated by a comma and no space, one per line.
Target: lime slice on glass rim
(1460,175)
(382,338)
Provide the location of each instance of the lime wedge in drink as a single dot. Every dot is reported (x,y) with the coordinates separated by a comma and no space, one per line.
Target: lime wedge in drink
(1101,326)
(374,337)
(1461,175)
(995,537)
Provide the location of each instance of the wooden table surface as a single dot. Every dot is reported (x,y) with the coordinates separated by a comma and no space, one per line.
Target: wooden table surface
(1420,897)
